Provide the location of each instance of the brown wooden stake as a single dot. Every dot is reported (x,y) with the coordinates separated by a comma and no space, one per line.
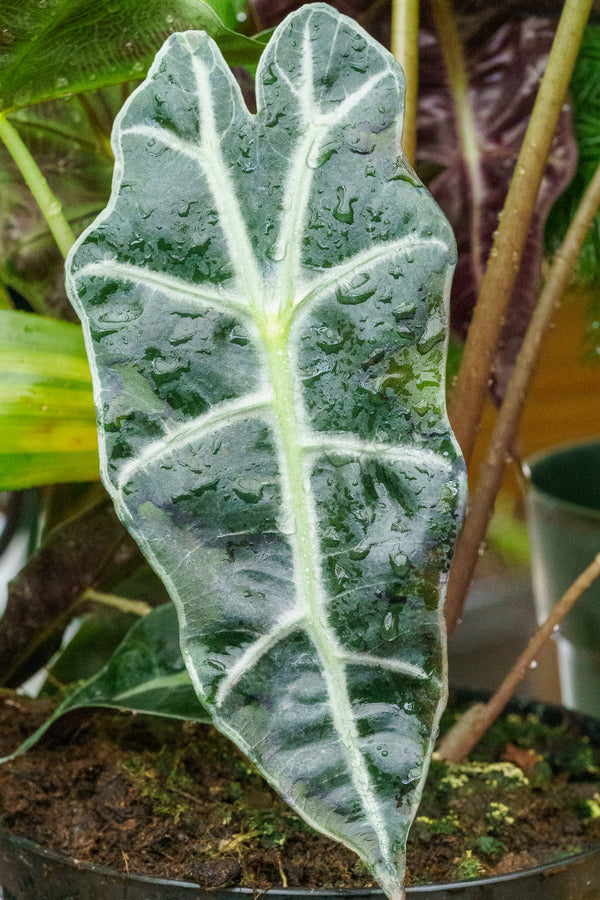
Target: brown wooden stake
(482,499)
(461,739)
(471,389)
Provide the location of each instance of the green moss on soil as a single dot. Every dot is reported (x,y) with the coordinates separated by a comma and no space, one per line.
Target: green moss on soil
(186,804)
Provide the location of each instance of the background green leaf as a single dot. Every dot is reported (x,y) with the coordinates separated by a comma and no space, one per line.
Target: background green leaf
(103,628)
(69,140)
(585,97)
(52,48)
(146,673)
(88,549)
(265,305)
(47,421)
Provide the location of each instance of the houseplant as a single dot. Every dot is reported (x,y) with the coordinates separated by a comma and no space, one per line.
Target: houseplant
(250,490)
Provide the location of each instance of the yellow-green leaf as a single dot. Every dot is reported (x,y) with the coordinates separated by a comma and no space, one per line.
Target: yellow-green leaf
(47,417)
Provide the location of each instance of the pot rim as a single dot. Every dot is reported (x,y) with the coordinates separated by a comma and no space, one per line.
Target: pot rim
(557,450)
(283,893)
(517,704)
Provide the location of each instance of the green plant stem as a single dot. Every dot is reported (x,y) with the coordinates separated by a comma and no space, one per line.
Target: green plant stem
(481,502)
(124,604)
(470,391)
(5,301)
(405,48)
(454,60)
(461,739)
(49,205)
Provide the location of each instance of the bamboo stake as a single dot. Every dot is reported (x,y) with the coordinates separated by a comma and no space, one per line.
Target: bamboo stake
(481,502)
(461,739)
(405,48)
(470,391)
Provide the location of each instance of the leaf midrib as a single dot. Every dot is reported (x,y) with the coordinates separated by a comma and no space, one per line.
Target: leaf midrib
(306,552)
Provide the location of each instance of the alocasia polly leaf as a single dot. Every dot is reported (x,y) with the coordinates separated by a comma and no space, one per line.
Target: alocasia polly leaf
(506,46)
(146,674)
(264,302)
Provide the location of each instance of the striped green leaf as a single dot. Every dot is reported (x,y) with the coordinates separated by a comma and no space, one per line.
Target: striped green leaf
(265,308)
(47,417)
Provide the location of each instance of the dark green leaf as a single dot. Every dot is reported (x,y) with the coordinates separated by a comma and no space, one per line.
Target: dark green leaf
(43,598)
(103,629)
(53,48)
(146,674)
(265,305)
(70,144)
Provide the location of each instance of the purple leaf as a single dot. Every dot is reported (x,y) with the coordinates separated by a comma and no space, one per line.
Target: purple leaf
(504,69)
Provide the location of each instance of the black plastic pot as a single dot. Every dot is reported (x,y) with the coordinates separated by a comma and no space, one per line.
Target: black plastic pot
(29,872)
(32,873)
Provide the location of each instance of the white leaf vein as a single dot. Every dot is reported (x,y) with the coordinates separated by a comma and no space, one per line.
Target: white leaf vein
(201,295)
(359,263)
(217,418)
(245,663)
(393,665)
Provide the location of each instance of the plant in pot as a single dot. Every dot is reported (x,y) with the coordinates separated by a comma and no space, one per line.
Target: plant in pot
(264,302)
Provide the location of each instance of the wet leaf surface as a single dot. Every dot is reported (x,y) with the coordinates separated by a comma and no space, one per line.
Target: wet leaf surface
(264,302)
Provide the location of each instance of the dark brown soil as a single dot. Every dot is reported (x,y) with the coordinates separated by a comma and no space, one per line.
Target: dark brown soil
(172,799)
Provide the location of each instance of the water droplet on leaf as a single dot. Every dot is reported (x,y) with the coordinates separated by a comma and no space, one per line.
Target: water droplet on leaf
(249,490)
(350,293)
(389,626)
(238,336)
(321,153)
(343,211)
(361,551)
(399,563)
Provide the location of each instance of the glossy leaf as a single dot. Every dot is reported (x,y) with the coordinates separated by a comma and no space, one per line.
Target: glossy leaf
(54,48)
(264,302)
(145,674)
(506,46)
(47,418)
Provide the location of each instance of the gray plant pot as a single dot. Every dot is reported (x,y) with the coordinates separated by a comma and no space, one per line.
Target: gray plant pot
(563,514)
